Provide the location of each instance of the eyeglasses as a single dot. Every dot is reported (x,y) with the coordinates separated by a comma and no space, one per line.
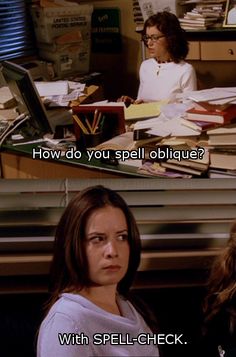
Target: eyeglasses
(153,38)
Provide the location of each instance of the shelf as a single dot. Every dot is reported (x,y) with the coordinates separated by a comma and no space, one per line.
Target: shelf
(218,34)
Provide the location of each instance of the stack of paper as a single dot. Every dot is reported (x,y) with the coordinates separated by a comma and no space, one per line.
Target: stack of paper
(59,93)
(144,110)
(217,95)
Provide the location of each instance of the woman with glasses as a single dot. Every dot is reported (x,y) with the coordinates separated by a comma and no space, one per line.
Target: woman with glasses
(165,74)
(96,255)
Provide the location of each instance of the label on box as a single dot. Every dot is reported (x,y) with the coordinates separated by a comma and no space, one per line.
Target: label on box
(66,65)
(62,25)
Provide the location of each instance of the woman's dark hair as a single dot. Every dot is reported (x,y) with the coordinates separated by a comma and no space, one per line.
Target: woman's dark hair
(168,24)
(222,283)
(69,270)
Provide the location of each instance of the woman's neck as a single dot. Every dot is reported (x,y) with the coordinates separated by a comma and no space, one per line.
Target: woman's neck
(164,59)
(102,296)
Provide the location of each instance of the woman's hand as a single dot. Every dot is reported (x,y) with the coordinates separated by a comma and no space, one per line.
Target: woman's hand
(128,100)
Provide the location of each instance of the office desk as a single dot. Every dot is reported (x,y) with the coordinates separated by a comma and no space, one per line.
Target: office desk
(17,162)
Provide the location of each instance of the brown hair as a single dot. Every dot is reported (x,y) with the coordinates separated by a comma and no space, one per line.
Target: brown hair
(69,270)
(222,282)
(168,24)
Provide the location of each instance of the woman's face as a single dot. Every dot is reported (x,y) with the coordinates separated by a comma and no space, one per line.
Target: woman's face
(106,246)
(157,44)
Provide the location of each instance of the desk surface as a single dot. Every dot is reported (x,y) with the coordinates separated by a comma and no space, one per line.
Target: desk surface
(17,162)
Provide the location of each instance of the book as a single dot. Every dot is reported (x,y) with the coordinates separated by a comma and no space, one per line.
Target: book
(197,165)
(186,142)
(220,173)
(223,159)
(180,168)
(119,142)
(212,105)
(125,142)
(198,125)
(225,135)
(220,117)
(6,98)
(155,169)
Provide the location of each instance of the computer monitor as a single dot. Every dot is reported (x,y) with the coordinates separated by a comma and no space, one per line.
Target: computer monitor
(23,89)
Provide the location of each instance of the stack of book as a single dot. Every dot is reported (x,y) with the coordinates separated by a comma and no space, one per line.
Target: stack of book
(184,145)
(180,165)
(155,169)
(205,117)
(222,145)
(204,15)
(210,108)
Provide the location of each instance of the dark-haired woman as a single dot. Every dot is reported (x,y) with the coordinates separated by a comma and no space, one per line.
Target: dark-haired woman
(165,74)
(97,252)
(220,304)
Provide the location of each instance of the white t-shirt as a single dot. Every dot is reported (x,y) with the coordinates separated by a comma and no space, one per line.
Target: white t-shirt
(73,315)
(160,81)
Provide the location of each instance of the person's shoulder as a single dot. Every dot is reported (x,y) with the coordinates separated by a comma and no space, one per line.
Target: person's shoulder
(65,311)
(186,67)
(148,62)
(67,305)
(185,64)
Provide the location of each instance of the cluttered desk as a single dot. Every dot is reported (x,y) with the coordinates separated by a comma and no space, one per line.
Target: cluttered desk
(44,121)
(194,137)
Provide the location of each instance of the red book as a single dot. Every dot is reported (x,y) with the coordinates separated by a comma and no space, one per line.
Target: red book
(214,116)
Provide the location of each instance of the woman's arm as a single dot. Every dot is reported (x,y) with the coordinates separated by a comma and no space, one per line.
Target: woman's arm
(189,80)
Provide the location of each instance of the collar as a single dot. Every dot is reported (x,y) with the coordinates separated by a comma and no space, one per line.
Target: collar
(160,62)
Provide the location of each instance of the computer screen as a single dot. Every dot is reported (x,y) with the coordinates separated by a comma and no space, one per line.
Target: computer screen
(23,89)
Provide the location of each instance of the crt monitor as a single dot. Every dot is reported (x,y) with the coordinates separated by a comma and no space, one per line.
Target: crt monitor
(23,89)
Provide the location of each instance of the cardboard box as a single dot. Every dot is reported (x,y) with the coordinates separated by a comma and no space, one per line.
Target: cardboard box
(62,24)
(67,59)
